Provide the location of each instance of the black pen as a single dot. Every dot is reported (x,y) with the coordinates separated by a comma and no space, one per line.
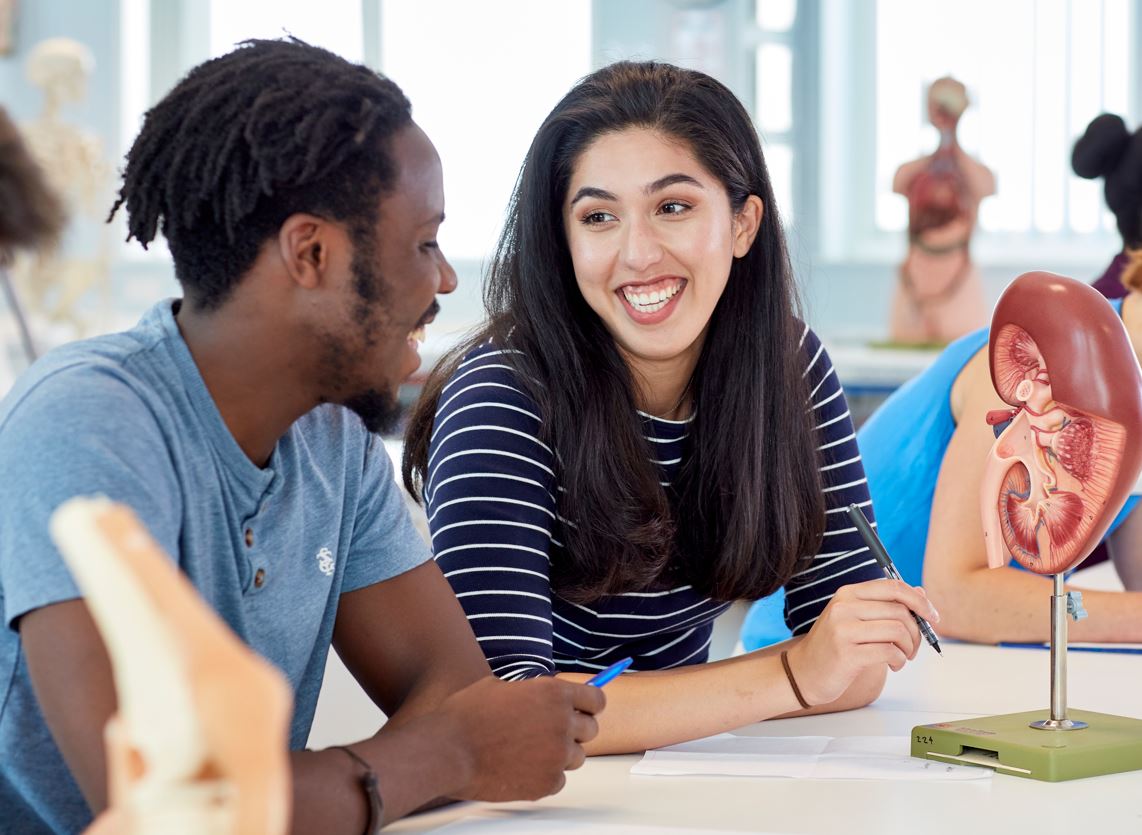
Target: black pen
(885,562)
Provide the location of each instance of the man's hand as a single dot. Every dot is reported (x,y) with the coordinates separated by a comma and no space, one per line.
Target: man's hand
(520,737)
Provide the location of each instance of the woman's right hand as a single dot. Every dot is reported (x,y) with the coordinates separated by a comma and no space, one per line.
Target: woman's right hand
(864,625)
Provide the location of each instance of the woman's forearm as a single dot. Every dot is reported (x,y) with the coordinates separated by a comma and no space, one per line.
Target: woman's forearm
(663,707)
(1005,604)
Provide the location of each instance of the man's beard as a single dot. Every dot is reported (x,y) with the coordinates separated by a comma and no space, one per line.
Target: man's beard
(379,410)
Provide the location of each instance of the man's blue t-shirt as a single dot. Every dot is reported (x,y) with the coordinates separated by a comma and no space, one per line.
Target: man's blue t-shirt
(271,550)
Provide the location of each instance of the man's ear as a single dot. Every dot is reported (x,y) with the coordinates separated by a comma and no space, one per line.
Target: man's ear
(303,249)
(746,223)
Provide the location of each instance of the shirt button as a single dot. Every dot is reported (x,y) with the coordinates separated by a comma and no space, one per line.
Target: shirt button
(259,578)
(249,537)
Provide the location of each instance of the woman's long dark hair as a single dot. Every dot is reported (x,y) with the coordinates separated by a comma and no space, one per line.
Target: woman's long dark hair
(746,507)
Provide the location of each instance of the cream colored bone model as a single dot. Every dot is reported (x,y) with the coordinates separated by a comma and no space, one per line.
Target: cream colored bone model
(56,281)
(199,744)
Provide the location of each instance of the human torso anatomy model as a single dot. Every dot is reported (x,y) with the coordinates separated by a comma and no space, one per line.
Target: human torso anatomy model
(939,297)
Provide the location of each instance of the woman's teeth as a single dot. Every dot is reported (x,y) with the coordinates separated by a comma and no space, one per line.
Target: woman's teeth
(418,335)
(652,300)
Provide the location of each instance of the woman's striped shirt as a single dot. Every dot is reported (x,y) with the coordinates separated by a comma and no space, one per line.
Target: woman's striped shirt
(490,493)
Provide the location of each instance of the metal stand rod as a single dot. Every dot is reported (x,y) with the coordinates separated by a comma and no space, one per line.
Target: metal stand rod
(18,313)
(1059,651)
(1059,614)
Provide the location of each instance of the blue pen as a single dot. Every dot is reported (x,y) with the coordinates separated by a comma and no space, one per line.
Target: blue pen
(1122,650)
(611,672)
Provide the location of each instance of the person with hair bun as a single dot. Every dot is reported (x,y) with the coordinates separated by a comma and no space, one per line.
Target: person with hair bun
(1108,150)
(924,451)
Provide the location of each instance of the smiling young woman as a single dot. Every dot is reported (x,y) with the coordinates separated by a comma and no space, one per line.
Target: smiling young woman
(644,431)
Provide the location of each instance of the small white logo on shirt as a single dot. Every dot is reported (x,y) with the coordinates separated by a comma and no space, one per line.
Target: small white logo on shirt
(326,562)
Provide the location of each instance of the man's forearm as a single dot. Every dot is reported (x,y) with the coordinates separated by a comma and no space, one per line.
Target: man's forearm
(427,697)
(415,764)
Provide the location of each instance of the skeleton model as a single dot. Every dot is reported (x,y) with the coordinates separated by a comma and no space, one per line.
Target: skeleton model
(54,281)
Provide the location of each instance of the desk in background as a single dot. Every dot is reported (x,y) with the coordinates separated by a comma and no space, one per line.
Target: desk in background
(969,681)
(870,374)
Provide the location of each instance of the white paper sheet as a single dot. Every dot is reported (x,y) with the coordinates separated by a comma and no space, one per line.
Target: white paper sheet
(814,757)
(540,825)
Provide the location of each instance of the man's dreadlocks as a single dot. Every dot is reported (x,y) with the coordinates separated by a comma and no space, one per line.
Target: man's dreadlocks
(246,140)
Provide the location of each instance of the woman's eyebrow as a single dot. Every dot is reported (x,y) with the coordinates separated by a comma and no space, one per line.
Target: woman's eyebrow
(591,191)
(671,180)
(657,185)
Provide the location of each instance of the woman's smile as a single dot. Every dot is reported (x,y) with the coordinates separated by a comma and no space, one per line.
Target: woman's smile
(651,302)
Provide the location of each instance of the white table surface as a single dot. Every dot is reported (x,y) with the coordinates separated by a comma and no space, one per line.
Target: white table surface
(968,681)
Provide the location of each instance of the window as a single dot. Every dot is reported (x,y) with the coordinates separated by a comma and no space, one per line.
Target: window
(481,78)
(773,92)
(1037,72)
(335,25)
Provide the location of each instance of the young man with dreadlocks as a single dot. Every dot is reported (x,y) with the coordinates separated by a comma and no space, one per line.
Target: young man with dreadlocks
(301,204)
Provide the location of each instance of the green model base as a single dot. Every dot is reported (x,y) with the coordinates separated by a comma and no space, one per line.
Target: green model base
(1008,744)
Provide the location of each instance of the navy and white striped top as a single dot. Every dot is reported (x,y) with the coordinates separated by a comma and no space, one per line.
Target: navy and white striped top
(490,493)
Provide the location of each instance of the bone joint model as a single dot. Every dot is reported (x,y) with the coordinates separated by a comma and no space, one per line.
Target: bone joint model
(199,744)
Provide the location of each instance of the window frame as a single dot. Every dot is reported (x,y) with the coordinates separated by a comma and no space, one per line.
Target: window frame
(840,210)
